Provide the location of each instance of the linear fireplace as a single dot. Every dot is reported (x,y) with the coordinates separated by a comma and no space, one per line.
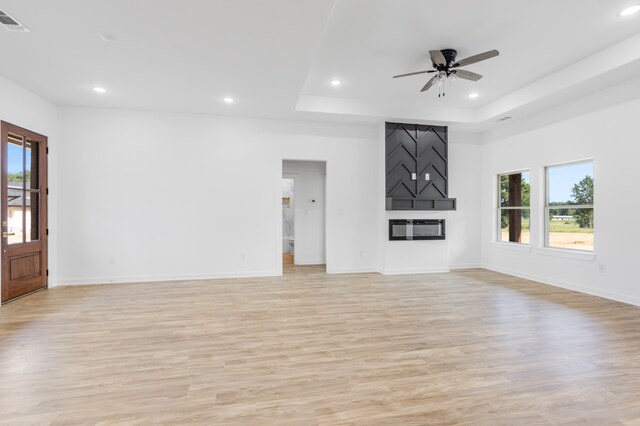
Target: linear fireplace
(416,229)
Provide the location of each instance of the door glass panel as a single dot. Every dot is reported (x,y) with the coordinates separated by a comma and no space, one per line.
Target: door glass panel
(32,210)
(15,161)
(31,165)
(15,216)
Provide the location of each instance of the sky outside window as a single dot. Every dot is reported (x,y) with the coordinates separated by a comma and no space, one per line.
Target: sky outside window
(563,178)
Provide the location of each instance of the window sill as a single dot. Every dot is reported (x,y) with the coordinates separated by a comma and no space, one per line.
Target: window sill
(568,254)
(511,246)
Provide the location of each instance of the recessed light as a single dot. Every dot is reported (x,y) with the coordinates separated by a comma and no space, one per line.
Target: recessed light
(630,10)
(336,82)
(473,95)
(228,100)
(100,90)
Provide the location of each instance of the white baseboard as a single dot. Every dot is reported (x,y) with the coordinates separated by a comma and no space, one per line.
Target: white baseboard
(157,278)
(566,285)
(413,271)
(465,266)
(259,274)
(352,270)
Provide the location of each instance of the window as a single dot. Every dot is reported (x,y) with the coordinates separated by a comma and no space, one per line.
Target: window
(569,206)
(514,207)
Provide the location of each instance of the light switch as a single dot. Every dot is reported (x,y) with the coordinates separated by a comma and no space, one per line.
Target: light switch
(413,176)
(426,176)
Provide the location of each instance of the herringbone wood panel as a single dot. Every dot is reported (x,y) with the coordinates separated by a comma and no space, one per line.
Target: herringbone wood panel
(419,149)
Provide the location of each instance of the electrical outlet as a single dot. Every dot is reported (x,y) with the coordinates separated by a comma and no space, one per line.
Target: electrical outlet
(360,253)
(602,268)
(112,261)
(243,257)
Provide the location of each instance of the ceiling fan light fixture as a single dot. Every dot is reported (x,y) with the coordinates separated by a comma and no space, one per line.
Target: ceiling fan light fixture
(628,11)
(336,82)
(473,95)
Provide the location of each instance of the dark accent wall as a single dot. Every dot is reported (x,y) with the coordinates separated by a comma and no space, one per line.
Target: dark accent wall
(412,152)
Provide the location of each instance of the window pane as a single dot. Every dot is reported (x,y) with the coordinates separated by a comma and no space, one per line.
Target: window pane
(31,165)
(32,216)
(570,184)
(514,226)
(515,189)
(15,157)
(15,215)
(571,228)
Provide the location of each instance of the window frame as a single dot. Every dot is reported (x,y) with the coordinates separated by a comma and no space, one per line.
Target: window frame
(547,207)
(500,208)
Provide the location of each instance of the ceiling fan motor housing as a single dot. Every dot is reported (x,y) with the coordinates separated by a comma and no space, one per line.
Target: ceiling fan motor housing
(449,56)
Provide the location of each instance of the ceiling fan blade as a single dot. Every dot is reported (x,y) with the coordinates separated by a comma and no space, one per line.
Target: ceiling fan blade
(477,58)
(467,75)
(437,57)
(413,73)
(430,83)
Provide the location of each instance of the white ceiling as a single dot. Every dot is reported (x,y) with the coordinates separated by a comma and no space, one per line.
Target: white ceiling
(277,57)
(368,41)
(169,55)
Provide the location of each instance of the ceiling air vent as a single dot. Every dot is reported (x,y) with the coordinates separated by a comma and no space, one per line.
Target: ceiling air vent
(503,119)
(11,24)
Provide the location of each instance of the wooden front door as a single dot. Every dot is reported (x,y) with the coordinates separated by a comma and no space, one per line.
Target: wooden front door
(24,212)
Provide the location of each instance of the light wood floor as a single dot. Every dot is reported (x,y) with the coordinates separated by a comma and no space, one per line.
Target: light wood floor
(471,347)
(287,261)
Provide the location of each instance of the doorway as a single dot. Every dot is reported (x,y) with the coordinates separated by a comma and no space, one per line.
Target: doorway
(288,221)
(24,212)
(303,214)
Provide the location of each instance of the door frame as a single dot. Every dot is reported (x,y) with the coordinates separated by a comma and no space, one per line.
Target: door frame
(327,260)
(5,129)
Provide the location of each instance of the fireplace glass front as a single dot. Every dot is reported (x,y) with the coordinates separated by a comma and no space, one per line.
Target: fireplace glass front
(416,229)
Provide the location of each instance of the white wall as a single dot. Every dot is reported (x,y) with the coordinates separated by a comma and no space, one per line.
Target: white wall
(309,229)
(151,196)
(25,109)
(612,139)
(464,224)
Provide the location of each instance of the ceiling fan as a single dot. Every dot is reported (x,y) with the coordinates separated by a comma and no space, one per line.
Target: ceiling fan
(446,67)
